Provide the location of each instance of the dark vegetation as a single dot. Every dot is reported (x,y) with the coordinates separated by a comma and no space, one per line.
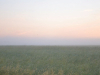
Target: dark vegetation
(49,60)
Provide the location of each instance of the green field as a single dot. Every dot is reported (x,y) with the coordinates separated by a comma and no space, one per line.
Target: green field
(49,60)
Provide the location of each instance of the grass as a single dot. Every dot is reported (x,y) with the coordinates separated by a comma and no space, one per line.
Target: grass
(49,60)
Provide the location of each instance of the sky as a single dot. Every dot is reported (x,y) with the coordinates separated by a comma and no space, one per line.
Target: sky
(49,22)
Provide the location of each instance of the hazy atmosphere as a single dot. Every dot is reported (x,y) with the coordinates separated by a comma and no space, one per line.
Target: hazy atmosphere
(49,22)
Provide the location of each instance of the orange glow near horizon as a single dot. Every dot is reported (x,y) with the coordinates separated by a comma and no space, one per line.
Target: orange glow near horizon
(81,31)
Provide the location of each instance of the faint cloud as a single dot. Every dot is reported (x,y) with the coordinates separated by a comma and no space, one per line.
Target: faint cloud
(22,33)
(88,10)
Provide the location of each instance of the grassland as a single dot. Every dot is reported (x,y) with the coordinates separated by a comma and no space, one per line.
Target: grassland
(49,60)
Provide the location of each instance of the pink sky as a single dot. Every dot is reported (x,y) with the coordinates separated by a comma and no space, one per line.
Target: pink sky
(74,28)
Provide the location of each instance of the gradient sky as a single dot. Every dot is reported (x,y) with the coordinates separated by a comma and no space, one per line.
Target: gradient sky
(49,20)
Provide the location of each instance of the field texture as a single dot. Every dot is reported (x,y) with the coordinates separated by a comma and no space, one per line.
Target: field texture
(49,60)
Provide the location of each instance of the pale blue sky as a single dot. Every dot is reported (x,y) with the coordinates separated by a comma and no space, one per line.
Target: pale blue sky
(37,9)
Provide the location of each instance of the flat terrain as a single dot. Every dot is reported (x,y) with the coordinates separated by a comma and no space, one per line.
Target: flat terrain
(49,60)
